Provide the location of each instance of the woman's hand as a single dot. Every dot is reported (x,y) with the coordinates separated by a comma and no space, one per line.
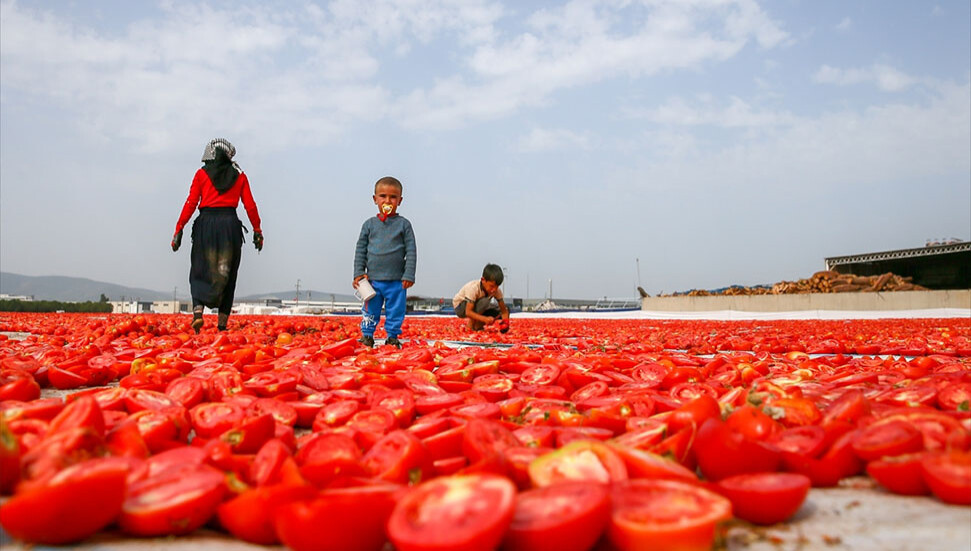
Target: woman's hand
(176,240)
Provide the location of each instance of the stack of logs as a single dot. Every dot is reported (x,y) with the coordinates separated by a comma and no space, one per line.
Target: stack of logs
(826,281)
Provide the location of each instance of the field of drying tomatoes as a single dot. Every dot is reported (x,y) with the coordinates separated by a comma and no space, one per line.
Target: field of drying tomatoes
(560,434)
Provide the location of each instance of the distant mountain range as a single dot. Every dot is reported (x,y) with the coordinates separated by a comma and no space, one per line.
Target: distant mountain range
(80,289)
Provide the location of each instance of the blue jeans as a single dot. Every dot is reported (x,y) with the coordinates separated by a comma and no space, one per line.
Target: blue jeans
(391,295)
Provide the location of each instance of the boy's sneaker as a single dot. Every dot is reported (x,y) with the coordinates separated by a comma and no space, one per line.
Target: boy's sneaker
(393,341)
(367,340)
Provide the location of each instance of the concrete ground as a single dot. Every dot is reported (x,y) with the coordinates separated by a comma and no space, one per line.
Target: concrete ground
(856,516)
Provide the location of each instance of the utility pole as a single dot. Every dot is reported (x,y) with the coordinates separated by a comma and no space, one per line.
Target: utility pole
(298,294)
(175,301)
(551,289)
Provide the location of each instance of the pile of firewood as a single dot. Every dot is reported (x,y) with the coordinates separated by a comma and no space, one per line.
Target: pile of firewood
(826,281)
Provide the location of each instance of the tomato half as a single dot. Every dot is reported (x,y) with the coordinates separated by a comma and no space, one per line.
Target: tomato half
(765,498)
(454,513)
(250,515)
(949,476)
(344,519)
(175,502)
(900,474)
(70,506)
(665,515)
(566,517)
(580,460)
(887,439)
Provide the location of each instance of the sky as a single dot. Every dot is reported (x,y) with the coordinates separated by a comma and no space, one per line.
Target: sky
(587,147)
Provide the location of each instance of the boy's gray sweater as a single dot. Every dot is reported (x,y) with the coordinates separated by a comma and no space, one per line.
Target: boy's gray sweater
(386,250)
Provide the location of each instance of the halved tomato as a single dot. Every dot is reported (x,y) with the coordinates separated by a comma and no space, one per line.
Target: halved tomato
(250,515)
(453,513)
(339,519)
(900,474)
(765,498)
(949,476)
(665,515)
(174,502)
(566,517)
(887,439)
(70,506)
(580,460)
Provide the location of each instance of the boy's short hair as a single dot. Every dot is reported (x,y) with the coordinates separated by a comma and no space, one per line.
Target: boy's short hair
(493,273)
(388,181)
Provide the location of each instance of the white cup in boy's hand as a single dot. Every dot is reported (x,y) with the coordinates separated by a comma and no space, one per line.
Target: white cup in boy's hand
(363,291)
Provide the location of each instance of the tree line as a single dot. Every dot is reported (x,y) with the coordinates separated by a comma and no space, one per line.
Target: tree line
(53,306)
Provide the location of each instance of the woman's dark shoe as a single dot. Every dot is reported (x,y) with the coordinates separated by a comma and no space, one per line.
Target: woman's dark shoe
(367,340)
(393,341)
(197,321)
(222,322)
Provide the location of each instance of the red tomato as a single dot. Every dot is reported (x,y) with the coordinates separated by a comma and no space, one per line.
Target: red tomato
(580,460)
(566,517)
(765,498)
(344,519)
(752,423)
(453,513)
(665,515)
(83,412)
(9,457)
(642,464)
(484,439)
(250,515)
(398,457)
(70,506)
(900,474)
(174,502)
(210,419)
(696,411)
(327,456)
(896,437)
(949,476)
(955,396)
(722,452)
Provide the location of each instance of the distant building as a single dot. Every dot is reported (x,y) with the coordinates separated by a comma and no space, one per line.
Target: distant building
(130,306)
(24,298)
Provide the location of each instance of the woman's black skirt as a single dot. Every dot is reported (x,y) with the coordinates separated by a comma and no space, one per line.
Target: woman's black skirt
(217,242)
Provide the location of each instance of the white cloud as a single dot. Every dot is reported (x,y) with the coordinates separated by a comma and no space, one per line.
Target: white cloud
(704,110)
(304,73)
(542,139)
(836,151)
(885,77)
(844,25)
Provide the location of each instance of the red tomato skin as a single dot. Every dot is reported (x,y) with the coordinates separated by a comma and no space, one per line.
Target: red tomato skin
(398,457)
(895,437)
(250,515)
(567,517)
(580,460)
(345,519)
(765,498)
(633,529)
(416,523)
(70,506)
(9,458)
(177,502)
(901,475)
(948,474)
(722,452)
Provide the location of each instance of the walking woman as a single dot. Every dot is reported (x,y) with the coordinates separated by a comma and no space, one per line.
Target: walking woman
(217,233)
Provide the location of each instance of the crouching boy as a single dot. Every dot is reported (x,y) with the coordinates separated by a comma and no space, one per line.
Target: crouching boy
(480,301)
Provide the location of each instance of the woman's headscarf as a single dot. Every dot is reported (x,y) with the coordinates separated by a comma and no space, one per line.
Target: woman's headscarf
(219,165)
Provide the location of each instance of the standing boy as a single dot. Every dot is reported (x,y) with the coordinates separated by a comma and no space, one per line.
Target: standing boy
(385,255)
(481,300)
